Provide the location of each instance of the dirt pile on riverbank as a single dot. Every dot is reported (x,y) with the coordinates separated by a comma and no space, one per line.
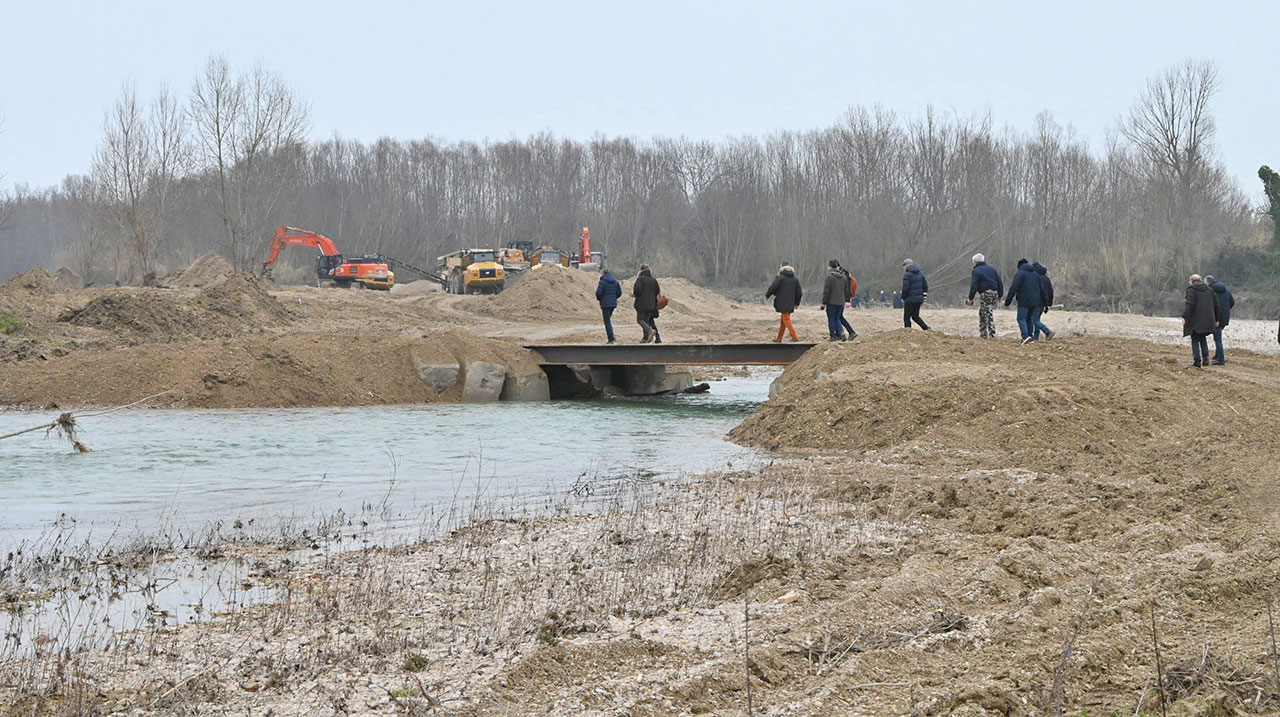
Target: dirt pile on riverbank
(228,305)
(258,371)
(1109,405)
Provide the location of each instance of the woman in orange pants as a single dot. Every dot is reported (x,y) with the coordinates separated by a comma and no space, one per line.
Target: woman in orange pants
(785,291)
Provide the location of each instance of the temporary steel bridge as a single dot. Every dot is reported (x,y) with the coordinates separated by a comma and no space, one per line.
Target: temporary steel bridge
(763,354)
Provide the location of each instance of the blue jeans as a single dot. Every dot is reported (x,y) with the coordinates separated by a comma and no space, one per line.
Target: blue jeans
(1038,328)
(1218,354)
(608,321)
(835,313)
(1025,323)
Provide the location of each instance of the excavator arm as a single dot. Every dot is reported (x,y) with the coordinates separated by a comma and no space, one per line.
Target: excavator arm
(299,237)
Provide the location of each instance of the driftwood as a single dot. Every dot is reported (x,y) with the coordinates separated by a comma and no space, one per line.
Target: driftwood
(65,424)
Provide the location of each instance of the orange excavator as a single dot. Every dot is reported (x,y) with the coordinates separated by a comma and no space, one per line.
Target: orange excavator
(585,258)
(359,272)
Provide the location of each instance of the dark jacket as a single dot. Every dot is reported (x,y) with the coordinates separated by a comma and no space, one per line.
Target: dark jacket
(1025,287)
(897,300)
(985,278)
(1226,302)
(646,292)
(1200,312)
(1046,285)
(914,286)
(835,288)
(785,291)
(608,291)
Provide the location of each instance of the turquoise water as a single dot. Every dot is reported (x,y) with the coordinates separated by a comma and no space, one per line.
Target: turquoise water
(180,470)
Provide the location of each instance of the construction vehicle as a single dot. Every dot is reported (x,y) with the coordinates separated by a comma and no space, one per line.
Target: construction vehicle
(515,256)
(359,272)
(549,255)
(472,271)
(586,259)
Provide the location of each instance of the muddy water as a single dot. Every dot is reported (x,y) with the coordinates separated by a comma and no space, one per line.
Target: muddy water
(163,471)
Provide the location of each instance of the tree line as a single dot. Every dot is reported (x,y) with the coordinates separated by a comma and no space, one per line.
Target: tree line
(218,168)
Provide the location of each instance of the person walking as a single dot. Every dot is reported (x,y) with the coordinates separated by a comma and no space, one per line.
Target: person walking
(786,294)
(608,291)
(985,283)
(1226,302)
(915,291)
(884,300)
(897,299)
(1200,316)
(1025,287)
(851,302)
(1046,301)
(646,292)
(835,291)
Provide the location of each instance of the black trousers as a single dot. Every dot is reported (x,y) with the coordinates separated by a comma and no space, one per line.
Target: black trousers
(911,312)
(1200,348)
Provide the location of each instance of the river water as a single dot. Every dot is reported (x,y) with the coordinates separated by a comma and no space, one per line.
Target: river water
(180,470)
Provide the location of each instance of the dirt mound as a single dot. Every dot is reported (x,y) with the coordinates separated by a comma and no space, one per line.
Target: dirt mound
(231,305)
(35,280)
(417,288)
(67,280)
(204,271)
(257,371)
(243,299)
(549,292)
(688,298)
(1103,405)
(135,313)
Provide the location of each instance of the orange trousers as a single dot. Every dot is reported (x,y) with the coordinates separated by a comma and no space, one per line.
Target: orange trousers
(784,326)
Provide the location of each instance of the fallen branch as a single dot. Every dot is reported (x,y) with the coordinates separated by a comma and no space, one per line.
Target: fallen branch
(65,424)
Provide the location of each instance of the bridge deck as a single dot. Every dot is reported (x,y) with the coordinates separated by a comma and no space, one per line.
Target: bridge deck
(661,354)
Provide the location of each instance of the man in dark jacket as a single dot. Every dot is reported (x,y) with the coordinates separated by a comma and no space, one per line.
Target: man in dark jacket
(608,291)
(1226,302)
(786,293)
(897,299)
(985,283)
(1200,316)
(1025,287)
(835,291)
(1046,300)
(915,291)
(851,302)
(646,292)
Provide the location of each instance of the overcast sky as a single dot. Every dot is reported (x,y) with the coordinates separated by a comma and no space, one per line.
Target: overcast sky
(477,70)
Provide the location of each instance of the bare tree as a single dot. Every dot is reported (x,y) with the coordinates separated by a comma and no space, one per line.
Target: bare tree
(248,131)
(137,166)
(1171,124)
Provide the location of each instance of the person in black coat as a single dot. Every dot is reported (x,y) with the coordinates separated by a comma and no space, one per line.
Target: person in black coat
(608,291)
(1226,302)
(1046,301)
(786,294)
(915,291)
(646,292)
(1025,289)
(1200,316)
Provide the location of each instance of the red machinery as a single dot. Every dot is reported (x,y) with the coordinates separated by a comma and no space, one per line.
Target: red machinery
(356,271)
